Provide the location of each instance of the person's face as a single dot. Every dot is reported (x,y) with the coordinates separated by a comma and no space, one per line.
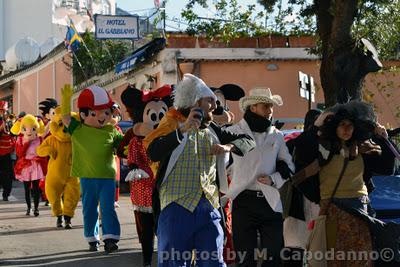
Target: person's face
(97,118)
(208,105)
(345,129)
(2,112)
(264,110)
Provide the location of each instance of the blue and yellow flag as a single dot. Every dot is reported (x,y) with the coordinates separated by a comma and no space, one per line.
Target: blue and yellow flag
(72,38)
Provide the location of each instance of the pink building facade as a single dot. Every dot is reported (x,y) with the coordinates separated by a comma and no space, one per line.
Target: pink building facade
(249,62)
(26,87)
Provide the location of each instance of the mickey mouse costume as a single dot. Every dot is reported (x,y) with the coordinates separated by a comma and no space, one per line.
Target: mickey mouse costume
(146,108)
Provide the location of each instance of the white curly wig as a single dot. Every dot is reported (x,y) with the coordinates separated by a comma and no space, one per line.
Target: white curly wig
(188,91)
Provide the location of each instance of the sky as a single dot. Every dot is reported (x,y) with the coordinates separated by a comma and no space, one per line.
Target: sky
(173,9)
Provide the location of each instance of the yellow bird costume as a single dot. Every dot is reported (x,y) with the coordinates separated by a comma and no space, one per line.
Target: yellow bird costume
(62,190)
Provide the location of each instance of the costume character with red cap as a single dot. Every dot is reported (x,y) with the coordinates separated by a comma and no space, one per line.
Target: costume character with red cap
(146,109)
(93,143)
(7,143)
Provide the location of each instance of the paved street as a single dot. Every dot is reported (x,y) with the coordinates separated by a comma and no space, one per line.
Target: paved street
(35,241)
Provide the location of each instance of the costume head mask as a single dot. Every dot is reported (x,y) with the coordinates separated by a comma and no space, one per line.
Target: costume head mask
(146,108)
(29,126)
(57,128)
(47,108)
(231,92)
(95,106)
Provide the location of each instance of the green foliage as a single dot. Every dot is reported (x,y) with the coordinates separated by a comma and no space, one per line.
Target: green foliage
(232,20)
(376,20)
(379,22)
(103,56)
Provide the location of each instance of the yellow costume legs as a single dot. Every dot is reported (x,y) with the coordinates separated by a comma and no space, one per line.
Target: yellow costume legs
(63,196)
(54,190)
(71,196)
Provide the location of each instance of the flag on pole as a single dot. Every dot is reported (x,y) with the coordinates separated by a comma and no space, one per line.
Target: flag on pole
(72,38)
(89,14)
(157,3)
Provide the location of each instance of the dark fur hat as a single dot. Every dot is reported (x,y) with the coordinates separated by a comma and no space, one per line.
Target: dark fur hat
(359,113)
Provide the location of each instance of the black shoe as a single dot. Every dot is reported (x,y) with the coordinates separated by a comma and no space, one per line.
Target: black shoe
(5,198)
(36,212)
(46,203)
(67,220)
(28,212)
(94,246)
(110,245)
(59,222)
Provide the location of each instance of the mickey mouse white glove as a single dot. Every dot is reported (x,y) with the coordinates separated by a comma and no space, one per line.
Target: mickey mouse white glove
(136,174)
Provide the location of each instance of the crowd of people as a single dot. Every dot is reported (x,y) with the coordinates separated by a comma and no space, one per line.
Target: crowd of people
(211,190)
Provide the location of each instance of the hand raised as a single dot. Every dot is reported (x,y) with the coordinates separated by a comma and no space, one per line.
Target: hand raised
(193,121)
(67,90)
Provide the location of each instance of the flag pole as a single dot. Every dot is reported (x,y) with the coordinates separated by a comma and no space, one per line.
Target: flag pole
(71,24)
(79,64)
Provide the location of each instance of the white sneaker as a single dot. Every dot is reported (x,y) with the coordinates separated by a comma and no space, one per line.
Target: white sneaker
(12,198)
(116,205)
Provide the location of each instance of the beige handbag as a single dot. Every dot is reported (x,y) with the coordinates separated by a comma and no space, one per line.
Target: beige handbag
(316,248)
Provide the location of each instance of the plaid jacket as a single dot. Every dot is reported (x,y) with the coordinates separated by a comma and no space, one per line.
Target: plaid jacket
(163,142)
(193,174)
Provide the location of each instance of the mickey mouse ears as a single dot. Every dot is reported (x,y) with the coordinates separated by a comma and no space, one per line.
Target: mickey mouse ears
(230,91)
(131,97)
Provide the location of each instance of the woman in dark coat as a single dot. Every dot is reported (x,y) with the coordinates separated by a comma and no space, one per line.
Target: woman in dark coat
(345,135)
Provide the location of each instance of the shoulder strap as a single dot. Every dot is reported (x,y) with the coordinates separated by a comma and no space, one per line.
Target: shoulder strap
(346,161)
(325,210)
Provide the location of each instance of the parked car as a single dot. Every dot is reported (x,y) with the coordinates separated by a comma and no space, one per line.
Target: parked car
(385,199)
(124,169)
(125,125)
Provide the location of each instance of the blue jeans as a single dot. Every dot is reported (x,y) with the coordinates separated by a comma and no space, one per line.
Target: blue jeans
(95,190)
(180,231)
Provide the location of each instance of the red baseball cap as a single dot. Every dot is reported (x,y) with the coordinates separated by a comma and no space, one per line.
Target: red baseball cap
(95,98)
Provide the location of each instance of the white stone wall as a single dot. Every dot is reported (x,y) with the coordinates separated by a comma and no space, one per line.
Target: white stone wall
(30,18)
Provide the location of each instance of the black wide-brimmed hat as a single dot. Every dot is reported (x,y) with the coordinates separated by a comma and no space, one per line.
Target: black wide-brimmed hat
(361,114)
